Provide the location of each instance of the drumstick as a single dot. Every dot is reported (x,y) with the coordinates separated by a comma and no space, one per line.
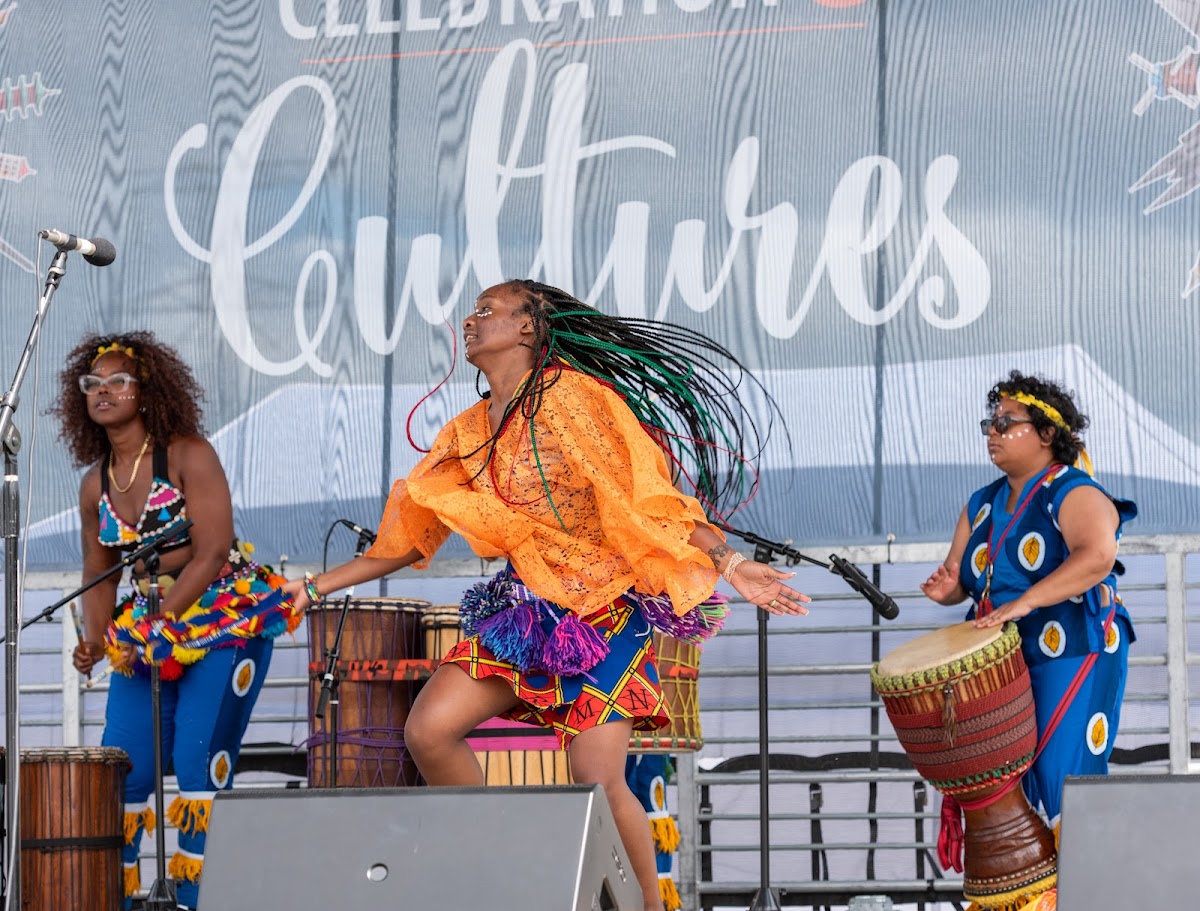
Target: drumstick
(75,620)
(78,632)
(92,681)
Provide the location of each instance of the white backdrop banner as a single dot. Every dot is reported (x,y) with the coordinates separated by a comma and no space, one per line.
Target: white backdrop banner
(881,207)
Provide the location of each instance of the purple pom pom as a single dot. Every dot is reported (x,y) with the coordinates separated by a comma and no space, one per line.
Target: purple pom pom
(515,635)
(573,648)
(702,622)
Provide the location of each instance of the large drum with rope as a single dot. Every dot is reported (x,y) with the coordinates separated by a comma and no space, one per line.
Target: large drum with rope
(961,703)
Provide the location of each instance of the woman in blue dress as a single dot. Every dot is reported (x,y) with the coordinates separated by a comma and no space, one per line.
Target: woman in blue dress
(1038,547)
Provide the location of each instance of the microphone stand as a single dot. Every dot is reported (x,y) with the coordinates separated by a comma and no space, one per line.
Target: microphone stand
(162,895)
(329,680)
(765,551)
(128,560)
(10,510)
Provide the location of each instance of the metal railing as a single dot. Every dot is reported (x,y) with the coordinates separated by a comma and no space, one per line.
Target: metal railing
(848,814)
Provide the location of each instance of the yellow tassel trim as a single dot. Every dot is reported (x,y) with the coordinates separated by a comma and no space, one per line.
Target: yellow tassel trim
(1047,901)
(184,867)
(133,821)
(669,894)
(189,815)
(666,834)
(187,655)
(133,880)
(1017,900)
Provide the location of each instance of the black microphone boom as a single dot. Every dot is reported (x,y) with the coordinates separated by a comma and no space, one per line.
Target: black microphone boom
(364,533)
(98,252)
(881,601)
(766,549)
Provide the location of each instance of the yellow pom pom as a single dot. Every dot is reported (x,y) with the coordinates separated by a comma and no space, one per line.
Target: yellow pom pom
(242,586)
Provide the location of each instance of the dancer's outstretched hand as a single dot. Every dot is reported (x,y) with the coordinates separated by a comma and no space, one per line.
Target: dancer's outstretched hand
(763,586)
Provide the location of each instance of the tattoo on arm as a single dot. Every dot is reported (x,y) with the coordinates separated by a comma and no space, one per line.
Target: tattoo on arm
(717,553)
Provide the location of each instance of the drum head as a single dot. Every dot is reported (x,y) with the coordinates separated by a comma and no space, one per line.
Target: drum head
(382,605)
(440,615)
(74,754)
(939,647)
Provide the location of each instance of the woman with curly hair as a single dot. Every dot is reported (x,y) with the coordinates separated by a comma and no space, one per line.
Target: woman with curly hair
(130,410)
(1038,547)
(562,470)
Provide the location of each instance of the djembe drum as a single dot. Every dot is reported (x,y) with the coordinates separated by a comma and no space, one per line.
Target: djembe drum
(72,828)
(379,668)
(442,630)
(961,703)
(679,674)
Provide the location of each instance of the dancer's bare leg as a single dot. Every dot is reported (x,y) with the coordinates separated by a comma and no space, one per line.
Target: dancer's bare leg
(450,706)
(598,757)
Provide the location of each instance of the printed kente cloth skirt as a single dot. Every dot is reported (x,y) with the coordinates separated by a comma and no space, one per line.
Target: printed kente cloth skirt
(622,683)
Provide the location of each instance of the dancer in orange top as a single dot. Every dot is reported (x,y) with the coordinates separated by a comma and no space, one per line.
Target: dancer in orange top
(562,471)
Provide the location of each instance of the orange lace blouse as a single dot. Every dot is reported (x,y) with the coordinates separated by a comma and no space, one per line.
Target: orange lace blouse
(607,518)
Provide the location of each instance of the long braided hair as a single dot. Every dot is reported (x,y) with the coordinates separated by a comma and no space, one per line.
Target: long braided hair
(685,389)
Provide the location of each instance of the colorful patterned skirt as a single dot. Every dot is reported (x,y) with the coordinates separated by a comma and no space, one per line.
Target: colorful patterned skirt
(516,644)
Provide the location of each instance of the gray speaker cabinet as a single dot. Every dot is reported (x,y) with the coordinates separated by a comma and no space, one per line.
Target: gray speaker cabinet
(1130,842)
(425,849)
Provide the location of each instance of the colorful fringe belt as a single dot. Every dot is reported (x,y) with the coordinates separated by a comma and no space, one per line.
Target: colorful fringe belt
(507,617)
(243,603)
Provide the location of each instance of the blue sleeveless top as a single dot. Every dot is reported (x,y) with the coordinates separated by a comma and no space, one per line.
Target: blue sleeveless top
(1032,549)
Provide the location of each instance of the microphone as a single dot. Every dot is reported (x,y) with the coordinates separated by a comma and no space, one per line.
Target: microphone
(882,602)
(98,252)
(364,533)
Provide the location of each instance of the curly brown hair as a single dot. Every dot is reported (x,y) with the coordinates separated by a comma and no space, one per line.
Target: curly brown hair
(170,394)
(1065,444)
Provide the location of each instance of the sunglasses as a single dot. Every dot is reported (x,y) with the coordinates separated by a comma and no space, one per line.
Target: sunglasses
(90,384)
(1001,425)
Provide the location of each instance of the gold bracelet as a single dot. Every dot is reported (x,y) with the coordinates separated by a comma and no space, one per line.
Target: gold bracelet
(732,564)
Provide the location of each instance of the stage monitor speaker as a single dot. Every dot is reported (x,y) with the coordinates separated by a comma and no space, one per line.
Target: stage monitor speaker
(453,849)
(1128,841)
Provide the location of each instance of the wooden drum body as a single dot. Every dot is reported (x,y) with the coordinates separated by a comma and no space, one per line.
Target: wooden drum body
(72,828)
(961,703)
(379,668)
(442,629)
(510,752)
(679,674)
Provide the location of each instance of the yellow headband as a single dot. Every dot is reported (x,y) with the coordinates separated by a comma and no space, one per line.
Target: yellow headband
(109,349)
(1048,410)
(1084,461)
